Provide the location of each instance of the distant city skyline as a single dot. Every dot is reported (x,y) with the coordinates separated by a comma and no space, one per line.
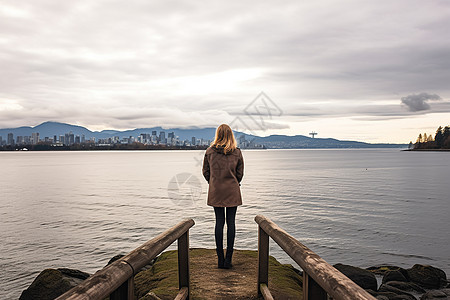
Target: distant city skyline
(69,139)
(355,69)
(145,137)
(140,135)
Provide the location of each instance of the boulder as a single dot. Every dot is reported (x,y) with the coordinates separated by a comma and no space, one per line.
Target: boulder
(394,276)
(406,286)
(390,289)
(361,277)
(381,296)
(383,269)
(388,296)
(427,276)
(150,296)
(116,257)
(443,294)
(52,283)
(404,297)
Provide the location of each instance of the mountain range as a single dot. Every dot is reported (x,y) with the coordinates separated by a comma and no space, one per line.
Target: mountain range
(49,129)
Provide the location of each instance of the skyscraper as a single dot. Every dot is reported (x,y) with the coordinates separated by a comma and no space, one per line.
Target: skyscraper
(171,138)
(162,137)
(154,137)
(19,140)
(71,138)
(35,138)
(10,140)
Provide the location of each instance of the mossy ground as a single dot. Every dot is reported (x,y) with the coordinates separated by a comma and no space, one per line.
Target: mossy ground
(209,282)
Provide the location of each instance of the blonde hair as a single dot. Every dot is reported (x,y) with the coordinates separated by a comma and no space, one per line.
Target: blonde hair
(225,138)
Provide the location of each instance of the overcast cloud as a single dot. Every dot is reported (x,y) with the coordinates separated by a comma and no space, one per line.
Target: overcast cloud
(420,101)
(116,65)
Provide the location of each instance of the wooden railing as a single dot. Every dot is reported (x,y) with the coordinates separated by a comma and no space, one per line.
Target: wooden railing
(117,279)
(320,280)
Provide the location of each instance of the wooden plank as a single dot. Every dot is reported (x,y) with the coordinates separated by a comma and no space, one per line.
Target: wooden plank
(183,261)
(182,294)
(263,259)
(336,284)
(265,292)
(110,278)
(311,290)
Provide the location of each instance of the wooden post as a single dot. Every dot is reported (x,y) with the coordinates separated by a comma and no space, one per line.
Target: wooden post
(183,262)
(263,259)
(125,291)
(311,290)
(131,288)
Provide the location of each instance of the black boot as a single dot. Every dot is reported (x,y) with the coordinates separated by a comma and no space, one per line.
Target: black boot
(227,264)
(220,258)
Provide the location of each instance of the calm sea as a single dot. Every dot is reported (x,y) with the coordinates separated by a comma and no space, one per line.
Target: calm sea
(360,207)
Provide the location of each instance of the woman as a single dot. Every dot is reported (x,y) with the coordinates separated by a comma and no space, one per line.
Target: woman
(223,168)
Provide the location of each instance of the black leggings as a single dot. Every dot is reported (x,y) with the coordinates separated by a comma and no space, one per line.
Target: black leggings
(231,226)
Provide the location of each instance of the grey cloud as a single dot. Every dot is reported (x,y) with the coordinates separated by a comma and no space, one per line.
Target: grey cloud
(105,57)
(419,102)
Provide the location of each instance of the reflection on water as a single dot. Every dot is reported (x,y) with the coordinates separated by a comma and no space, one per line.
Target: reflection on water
(361,207)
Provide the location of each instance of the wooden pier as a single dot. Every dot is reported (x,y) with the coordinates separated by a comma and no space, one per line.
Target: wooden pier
(321,281)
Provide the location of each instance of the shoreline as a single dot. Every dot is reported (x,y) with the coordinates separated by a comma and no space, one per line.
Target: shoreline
(430,150)
(158,279)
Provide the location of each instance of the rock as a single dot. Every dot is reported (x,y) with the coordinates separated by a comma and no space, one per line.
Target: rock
(150,296)
(361,277)
(443,294)
(117,257)
(52,283)
(427,276)
(383,269)
(404,297)
(394,276)
(385,295)
(406,286)
(398,292)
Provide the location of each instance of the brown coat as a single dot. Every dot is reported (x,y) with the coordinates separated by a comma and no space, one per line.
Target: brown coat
(224,173)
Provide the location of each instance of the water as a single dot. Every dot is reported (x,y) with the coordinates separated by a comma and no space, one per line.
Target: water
(360,207)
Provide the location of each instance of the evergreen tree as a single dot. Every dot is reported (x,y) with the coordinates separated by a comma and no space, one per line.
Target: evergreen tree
(446,134)
(439,137)
(419,139)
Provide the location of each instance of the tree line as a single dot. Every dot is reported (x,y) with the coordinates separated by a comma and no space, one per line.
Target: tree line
(441,140)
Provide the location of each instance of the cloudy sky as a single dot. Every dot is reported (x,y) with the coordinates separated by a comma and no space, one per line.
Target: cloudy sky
(361,70)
